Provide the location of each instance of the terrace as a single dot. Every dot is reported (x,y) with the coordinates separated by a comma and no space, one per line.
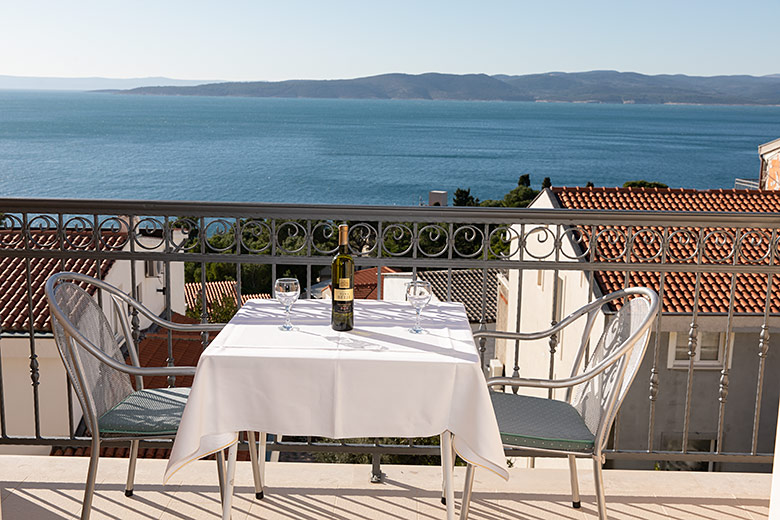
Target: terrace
(51,487)
(685,413)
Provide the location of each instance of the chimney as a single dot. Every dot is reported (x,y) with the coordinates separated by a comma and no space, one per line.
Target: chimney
(437,198)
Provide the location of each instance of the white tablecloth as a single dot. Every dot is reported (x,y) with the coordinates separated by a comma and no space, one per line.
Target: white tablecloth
(378,380)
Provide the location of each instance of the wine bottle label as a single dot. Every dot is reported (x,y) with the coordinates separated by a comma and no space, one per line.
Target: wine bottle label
(343,307)
(343,295)
(343,283)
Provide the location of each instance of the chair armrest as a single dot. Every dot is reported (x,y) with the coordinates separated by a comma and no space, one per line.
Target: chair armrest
(567,381)
(581,378)
(586,309)
(521,336)
(534,383)
(187,327)
(156,371)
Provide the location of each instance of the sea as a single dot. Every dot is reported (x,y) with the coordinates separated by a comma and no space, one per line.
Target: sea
(339,151)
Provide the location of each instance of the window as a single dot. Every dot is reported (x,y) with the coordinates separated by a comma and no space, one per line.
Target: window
(558,310)
(710,350)
(153,268)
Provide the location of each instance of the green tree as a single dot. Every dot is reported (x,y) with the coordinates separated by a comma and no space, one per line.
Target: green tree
(221,311)
(589,184)
(255,278)
(464,198)
(519,197)
(644,184)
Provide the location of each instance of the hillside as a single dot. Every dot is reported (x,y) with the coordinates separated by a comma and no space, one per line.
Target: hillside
(385,86)
(621,87)
(585,87)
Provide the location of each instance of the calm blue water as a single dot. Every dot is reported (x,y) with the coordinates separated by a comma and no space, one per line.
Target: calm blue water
(358,151)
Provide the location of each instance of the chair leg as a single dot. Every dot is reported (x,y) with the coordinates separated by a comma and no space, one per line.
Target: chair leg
(575,487)
(465,502)
(598,479)
(221,474)
(131,468)
(250,437)
(89,490)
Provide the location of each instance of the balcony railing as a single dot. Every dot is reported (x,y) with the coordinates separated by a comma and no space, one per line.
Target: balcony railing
(697,399)
(746,184)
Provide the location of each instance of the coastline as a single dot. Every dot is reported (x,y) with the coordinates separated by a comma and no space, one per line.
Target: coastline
(540,101)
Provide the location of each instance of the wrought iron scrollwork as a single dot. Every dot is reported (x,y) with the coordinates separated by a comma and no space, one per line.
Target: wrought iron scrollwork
(398,233)
(470,237)
(255,236)
(291,237)
(432,240)
(42,231)
(148,233)
(222,227)
(363,239)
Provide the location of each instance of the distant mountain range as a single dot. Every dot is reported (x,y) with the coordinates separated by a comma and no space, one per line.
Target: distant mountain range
(33,83)
(578,87)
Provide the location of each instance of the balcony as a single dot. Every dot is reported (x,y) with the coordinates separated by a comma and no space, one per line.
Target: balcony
(48,488)
(701,400)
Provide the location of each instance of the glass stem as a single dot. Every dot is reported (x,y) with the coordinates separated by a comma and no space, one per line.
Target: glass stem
(287,322)
(417,321)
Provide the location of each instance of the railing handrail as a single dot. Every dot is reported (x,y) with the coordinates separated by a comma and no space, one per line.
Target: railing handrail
(475,215)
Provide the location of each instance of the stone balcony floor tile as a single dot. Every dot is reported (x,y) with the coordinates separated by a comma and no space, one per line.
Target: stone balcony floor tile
(50,488)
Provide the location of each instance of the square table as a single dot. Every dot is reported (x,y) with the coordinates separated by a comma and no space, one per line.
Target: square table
(377,380)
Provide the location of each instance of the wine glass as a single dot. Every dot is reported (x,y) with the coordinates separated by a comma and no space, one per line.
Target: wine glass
(286,291)
(418,293)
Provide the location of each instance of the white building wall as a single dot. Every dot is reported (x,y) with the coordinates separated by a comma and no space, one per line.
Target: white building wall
(18,392)
(394,287)
(535,297)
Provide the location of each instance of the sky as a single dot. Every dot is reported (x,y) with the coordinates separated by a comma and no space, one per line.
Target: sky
(289,39)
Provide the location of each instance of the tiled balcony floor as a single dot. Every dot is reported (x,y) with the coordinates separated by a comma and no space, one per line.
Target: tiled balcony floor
(48,488)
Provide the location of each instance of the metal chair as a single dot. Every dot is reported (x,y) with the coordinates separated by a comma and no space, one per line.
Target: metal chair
(578,426)
(96,367)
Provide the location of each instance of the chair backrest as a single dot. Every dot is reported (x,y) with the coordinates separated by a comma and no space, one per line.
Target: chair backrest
(79,326)
(598,399)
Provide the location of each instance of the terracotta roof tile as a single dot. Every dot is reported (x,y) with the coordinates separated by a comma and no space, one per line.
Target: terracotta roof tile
(215,292)
(14,304)
(679,288)
(186,347)
(364,283)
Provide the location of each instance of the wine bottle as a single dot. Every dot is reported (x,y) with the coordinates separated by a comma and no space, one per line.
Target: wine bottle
(343,283)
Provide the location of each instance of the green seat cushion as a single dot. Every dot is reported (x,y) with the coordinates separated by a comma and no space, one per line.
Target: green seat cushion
(146,412)
(534,422)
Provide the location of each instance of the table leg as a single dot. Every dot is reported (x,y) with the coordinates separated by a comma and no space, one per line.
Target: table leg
(250,437)
(446,468)
(227,502)
(261,453)
(443,497)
